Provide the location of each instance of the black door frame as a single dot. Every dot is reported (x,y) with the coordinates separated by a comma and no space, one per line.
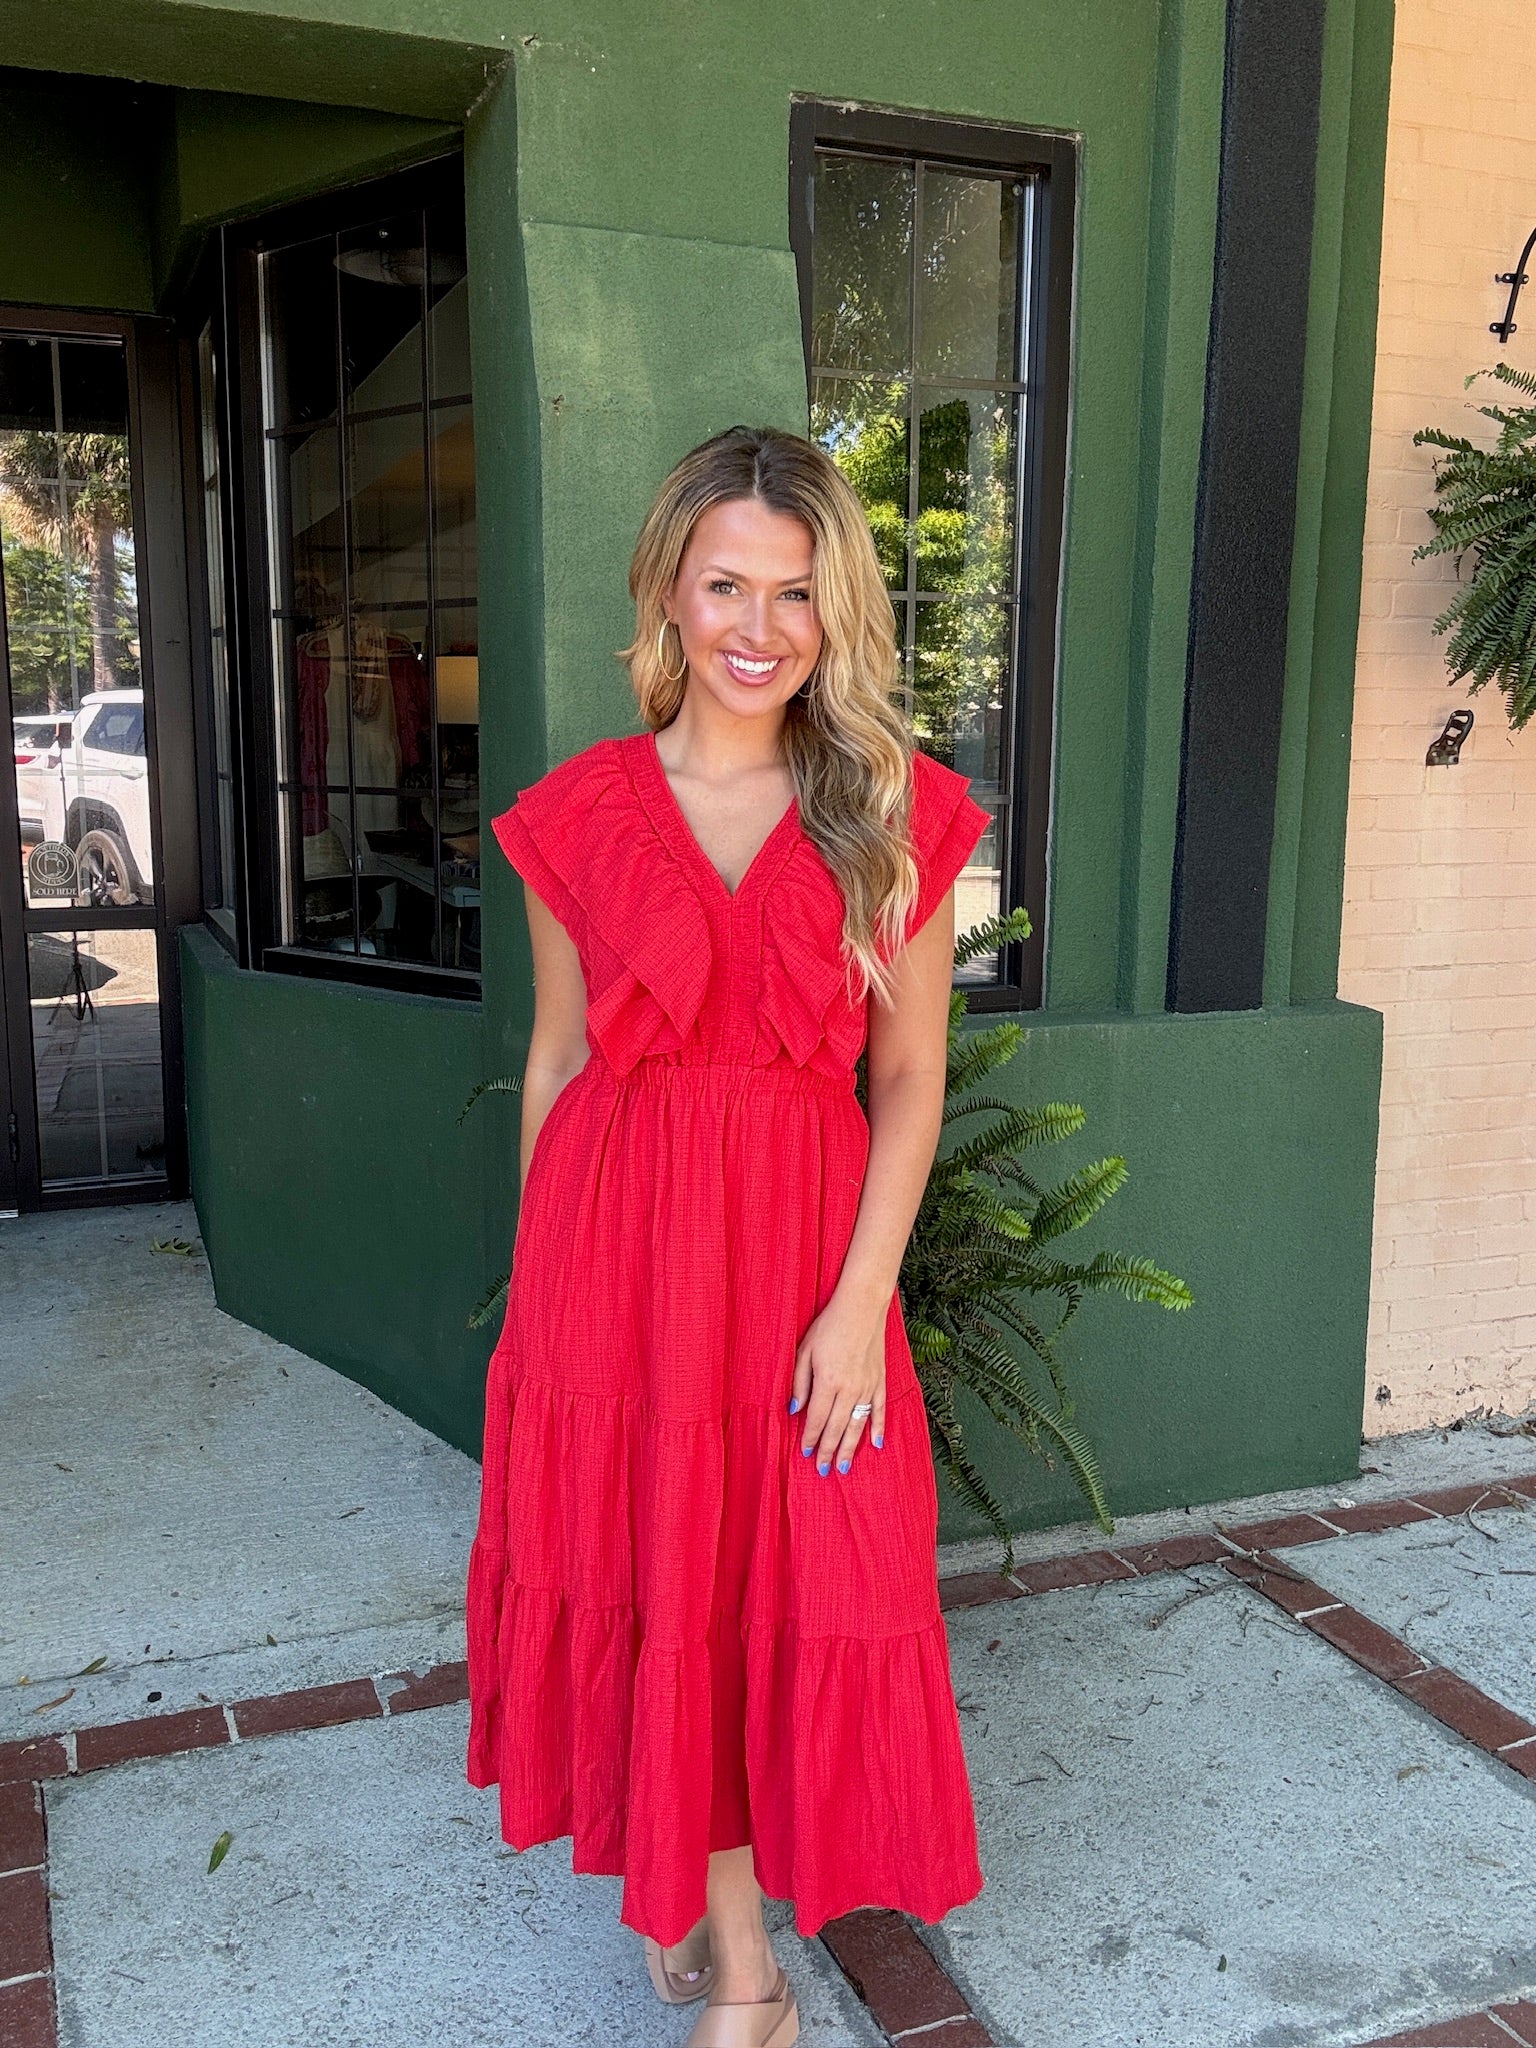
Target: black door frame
(155,459)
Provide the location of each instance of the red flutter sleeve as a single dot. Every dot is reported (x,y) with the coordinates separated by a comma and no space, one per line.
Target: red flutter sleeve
(946,824)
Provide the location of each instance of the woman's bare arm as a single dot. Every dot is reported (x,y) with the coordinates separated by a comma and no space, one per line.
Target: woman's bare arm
(557,1047)
(841,1358)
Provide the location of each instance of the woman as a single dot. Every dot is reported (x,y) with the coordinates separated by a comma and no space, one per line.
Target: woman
(704,1631)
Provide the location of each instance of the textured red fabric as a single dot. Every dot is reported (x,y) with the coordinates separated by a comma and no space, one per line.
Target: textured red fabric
(682,1637)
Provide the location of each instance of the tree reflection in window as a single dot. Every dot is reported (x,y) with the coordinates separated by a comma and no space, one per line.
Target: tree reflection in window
(918,393)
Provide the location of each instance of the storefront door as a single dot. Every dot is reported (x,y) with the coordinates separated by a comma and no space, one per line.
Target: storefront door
(83,995)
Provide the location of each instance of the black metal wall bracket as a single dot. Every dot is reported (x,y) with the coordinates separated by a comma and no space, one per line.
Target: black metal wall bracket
(1445,752)
(1514,279)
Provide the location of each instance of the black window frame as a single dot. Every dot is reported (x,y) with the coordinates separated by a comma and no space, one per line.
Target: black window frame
(1050,159)
(225,289)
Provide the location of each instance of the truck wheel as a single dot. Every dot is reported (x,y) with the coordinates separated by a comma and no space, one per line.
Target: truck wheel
(105,869)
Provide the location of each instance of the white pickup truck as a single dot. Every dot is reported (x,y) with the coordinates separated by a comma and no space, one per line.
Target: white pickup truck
(93,792)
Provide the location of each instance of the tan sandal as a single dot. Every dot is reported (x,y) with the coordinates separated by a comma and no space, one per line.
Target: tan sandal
(670,1967)
(756,2023)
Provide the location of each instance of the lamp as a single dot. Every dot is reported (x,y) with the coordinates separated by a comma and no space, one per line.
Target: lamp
(458,689)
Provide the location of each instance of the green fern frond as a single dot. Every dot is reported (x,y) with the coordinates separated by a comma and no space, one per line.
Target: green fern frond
(1486,509)
(503,1084)
(978,1055)
(486,1307)
(992,935)
(1071,1205)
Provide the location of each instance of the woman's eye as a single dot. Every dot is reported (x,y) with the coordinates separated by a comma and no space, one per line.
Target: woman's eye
(721,585)
(803,595)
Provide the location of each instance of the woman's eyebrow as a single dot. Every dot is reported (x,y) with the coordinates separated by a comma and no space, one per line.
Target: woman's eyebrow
(719,569)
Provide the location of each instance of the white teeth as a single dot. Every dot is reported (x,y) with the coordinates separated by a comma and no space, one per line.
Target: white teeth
(751,668)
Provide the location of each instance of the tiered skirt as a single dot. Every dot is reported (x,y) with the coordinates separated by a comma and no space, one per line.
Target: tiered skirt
(682,1636)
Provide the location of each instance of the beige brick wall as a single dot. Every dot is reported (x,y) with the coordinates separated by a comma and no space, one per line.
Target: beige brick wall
(1440,882)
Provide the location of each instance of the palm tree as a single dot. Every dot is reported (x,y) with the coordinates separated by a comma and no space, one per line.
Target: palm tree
(71,495)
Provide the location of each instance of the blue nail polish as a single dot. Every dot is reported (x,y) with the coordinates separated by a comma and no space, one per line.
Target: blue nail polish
(806,1450)
(879,1440)
(794,1403)
(823,1470)
(842,1464)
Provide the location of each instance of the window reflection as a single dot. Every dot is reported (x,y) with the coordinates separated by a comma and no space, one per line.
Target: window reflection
(220,658)
(372,513)
(917,392)
(95,1006)
(72,623)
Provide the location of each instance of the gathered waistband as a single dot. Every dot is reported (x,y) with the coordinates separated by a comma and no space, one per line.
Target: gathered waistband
(660,1073)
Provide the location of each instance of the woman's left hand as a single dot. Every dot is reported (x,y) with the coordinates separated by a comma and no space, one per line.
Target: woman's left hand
(839,1364)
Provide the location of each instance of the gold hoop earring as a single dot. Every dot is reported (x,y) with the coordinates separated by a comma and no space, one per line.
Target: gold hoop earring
(672,676)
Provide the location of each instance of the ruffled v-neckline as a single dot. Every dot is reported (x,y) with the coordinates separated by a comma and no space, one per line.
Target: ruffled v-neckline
(668,815)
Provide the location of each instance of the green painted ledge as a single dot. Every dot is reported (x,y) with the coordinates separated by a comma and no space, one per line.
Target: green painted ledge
(324,1148)
(340,1203)
(1250,1138)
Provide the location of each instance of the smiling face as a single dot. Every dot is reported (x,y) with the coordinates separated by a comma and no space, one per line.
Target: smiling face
(742,604)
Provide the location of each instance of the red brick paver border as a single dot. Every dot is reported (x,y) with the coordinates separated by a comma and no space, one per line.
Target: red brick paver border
(1493,2026)
(907,1991)
(27,2014)
(28,2005)
(911,1997)
(1454,1701)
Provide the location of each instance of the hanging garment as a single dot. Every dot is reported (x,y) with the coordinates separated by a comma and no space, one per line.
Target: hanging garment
(391,713)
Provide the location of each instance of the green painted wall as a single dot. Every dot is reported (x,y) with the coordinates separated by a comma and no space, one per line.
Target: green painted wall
(76,192)
(230,154)
(1250,1139)
(339,1202)
(631,291)
(107,189)
(402,57)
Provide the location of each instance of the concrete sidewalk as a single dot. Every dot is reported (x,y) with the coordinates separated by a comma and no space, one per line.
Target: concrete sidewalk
(1238,1786)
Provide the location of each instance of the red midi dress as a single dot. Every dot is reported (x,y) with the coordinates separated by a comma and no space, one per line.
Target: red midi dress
(682,1637)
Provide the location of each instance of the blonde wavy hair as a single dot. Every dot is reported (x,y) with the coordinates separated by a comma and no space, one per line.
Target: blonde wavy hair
(849,748)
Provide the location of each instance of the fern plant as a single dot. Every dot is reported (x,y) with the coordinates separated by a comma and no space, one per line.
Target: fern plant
(1487,505)
(980,1248)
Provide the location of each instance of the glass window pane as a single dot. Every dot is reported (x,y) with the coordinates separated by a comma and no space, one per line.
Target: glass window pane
(863,424)
(452,451)
(965,498)
(960,666)
(978,897)
(387,511)
(299,285)
(862,291)
(26,385)
(66,529)
(95,1003)
(376,630)
(447,304)
(211,473)
(383,272)
(967,276)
